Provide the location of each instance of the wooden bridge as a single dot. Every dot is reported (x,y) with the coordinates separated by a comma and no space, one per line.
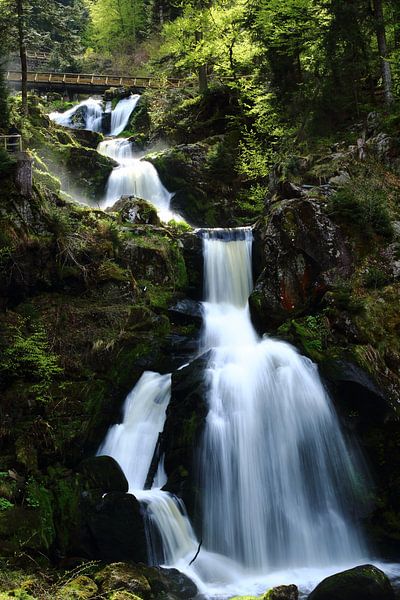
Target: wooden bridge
(89,83)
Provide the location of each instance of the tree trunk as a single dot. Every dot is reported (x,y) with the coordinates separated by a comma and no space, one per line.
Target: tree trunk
(22,55)
(202,70)
(381,37)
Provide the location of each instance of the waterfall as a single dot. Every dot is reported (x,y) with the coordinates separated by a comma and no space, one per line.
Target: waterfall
(278,480)
(135,177)
(121,113)
(89,113)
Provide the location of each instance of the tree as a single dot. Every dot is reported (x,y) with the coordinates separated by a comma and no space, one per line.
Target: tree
(383,53)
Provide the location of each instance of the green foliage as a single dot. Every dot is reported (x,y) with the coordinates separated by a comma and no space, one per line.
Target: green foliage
(40,498)
(375,278)
(28,356)
(5,504)
(7,161)
(363,204)
(115,24)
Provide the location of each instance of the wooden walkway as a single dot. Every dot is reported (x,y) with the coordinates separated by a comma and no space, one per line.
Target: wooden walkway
(89,82)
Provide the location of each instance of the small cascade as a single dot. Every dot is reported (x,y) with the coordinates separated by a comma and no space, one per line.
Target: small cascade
(85,115)
(89,115)
(135,177)
(121,113)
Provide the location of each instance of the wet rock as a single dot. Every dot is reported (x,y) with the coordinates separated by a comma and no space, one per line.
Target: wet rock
(366,582)
(112,527)
(301,253)
(184,425)
(135,210)
(103,473)
(353,389)
(192,250)
(187,311)
(90,139)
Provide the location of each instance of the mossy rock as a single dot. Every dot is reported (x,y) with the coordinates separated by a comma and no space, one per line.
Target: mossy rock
(80,588)
(282,592)
(124,577)
(366,582)
(124,595)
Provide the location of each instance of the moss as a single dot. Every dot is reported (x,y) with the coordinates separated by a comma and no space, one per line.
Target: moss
(310,334)
(79,588)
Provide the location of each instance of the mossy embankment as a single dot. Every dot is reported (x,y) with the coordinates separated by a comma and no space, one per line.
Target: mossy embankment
(84,310)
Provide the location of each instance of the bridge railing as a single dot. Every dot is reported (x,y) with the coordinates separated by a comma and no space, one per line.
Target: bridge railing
(90,79)
(11,143)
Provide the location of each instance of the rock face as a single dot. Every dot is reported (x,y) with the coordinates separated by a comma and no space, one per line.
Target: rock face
(366,582)
(301,253)
(184,425)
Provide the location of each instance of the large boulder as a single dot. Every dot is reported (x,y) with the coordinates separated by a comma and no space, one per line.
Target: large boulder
(301,253)
(112,527)
(366,582)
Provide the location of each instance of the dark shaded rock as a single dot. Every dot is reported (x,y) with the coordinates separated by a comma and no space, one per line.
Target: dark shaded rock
(187,311)
(354,389)
(366,582)
(192,250)
(135,210)
(282,592)
(302,253)
(178,583)
(89,169)
(90,139)
(186,415)
(103,473)
(113,527)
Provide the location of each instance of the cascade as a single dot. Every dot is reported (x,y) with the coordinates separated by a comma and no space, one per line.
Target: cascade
(91,112)
(135,177)
(121,113)
(279,483)
(278,479)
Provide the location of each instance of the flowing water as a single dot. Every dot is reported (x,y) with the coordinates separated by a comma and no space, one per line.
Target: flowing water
(90,114)
(280,486)
(134,177)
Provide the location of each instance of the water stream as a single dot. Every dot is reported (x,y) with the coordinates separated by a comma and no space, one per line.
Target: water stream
(133,176)
(280,486)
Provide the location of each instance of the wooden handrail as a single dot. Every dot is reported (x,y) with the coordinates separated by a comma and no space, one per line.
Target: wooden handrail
(11,143)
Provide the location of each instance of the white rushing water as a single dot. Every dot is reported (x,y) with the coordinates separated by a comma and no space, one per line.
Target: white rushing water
(121,113)
(90,113)
(135,177)
(280,486)
(278,479)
